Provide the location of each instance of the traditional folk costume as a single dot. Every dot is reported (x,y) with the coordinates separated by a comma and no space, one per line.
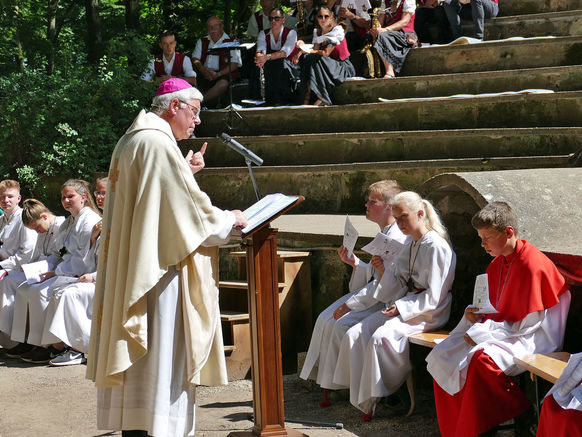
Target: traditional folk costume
(72,242)
(355,33)
(156,325)
(562,407)
(179,66)
(281,75)
(322,73)
(374,358)
(259,22)
(16,241)
(69,314)
(473,387)
(328,332)
(45,249)
(214,61)
(394,45)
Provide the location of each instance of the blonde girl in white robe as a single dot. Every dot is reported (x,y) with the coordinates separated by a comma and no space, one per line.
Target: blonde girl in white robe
(374,358)
(37,217)
(335,320)
(73,242)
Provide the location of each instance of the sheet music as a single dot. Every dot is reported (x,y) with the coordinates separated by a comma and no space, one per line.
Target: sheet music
(227,45)
(306,48)
(481,295)
(265,208)
(383,246)
(32,271)
(350,236)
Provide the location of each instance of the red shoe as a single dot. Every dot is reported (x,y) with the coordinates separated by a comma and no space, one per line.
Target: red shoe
(368,416)
(326,402)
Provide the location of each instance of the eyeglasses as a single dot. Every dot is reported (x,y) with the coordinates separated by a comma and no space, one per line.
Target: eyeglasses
(195,110)
(275,18)
(99,193)
(323,16)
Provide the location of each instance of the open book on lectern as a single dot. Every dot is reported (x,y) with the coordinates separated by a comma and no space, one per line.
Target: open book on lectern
(267,209)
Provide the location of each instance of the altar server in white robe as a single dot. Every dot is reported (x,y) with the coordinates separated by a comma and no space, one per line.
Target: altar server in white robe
(335,320)
(37,217)
(16,241)
(73,245)
(156,323)
(374,354)
(69,314)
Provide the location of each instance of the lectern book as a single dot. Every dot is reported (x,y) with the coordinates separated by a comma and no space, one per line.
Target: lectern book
(267,209)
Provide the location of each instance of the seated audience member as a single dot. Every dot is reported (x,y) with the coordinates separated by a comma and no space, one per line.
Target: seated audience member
(480,10)
(374,354)
(473,368)
(280,75)
(328,63)
(73,242)
(169,63)
(562,407)
(214,69)
(359,303)
(431,24)
(259,21)
(68,320)
(305,22)
(355,14)
(396,36)
(39,218)
(16,240)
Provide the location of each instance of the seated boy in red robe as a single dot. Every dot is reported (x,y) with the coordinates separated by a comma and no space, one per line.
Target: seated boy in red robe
(473,368)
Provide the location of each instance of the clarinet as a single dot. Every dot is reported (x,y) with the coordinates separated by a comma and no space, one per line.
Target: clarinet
(262,82)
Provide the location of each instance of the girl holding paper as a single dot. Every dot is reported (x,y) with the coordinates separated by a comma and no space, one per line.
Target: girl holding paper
(416,291)
(359,303)
(72,243)
(35,216)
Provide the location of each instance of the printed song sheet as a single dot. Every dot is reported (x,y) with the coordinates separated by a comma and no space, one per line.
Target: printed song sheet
(32,271)
(383,246)
(481,295)
(350,236)
(266,208)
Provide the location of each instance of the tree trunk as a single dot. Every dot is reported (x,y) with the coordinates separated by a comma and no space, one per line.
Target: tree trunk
(20,53)
(51,34)
(132,14)
(228,18)
(93,31)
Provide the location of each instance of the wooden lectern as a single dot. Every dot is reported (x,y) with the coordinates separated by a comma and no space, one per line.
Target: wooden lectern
(266,366)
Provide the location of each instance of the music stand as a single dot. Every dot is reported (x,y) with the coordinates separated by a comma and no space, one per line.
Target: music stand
(229,119)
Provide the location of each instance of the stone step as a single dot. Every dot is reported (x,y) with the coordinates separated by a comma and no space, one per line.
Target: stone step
(342,148)
(563,109)
(494,55)
(339,188)
(566,23)
(523,7)
(550,78)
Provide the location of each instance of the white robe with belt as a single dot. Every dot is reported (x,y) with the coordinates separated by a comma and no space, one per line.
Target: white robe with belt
(374,358)
(328,332)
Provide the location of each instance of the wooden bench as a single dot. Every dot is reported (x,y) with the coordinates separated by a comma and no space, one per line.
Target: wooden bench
(428,339)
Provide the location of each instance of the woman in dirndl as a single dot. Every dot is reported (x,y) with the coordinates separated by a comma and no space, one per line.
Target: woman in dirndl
(327,64)
(396,36)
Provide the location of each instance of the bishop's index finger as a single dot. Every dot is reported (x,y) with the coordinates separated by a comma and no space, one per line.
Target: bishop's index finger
(203,148)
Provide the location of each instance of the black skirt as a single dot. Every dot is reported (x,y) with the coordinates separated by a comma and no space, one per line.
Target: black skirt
(322,73)
(393,47)
(281,82)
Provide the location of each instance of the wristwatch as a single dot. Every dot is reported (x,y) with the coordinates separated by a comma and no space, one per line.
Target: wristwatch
(269,57)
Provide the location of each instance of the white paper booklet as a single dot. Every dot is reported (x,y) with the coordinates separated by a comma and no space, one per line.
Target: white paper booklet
(481,295)
(306,48)
(32,271)
(384,246)
(350,236)
(266,208)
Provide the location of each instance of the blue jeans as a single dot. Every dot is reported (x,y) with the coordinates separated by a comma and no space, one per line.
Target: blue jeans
(480,9)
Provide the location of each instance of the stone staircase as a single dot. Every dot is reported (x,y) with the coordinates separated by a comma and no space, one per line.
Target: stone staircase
(330,154)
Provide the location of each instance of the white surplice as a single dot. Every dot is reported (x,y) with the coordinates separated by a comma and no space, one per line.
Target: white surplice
(538,332)
(17,241)
(570,380)
(74,237)
(328,332)
(374,358)
(44,250)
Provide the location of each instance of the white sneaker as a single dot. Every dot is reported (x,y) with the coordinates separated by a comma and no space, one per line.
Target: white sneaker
(68,357)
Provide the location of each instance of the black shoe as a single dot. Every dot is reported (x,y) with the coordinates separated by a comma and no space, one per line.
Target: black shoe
(43,355)
(18,350)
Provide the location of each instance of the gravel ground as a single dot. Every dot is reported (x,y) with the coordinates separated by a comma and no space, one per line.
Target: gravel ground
(47,401)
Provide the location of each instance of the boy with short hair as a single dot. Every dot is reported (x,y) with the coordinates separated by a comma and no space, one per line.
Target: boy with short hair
(473,368)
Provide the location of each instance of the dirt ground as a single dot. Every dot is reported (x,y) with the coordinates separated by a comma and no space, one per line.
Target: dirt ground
(46,401)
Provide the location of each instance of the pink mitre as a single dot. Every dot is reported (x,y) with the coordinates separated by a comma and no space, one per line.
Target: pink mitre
(172,85)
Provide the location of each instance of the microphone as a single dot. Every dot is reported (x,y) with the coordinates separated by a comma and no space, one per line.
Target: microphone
(238,147)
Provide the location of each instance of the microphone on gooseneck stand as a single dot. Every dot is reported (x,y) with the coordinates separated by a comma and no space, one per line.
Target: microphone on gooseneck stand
(238,147)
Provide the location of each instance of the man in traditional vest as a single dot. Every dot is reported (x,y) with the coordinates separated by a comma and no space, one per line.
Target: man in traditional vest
(214,69)
(169,63)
